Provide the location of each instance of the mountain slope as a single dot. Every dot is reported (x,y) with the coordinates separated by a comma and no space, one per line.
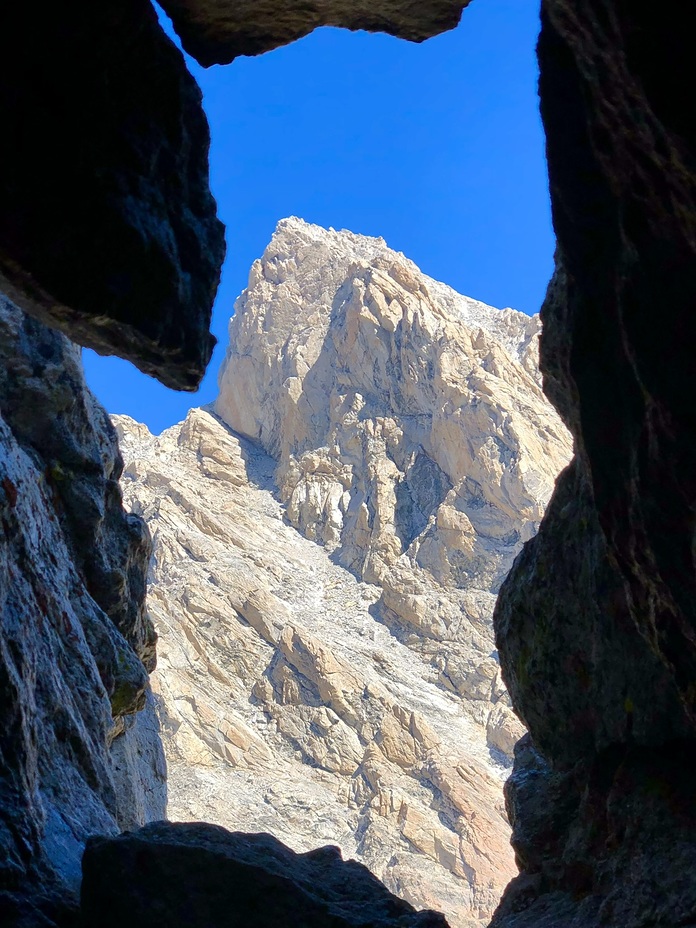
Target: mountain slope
(347,691)
(410,430)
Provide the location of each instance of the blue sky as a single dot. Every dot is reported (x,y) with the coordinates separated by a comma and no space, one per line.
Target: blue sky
(436,147)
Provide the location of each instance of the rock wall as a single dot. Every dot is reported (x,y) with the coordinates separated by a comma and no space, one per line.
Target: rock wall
(321,675)
(411,433)
(595,623)
(108,231)
(75,642)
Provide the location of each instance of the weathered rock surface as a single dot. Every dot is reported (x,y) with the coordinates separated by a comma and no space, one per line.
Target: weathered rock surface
(411,433)
(201,875)
(286,706)
(75,641)
(108,229)
(216,31)
(364,707)
(596,623)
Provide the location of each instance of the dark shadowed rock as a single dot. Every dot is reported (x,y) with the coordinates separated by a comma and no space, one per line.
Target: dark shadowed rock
(609,842)
(596,623)
(108,229)
(108,232)
(73,629)
(200,876)
(216,31)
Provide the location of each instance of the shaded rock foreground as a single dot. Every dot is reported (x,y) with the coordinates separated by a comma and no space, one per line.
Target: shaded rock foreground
(216,31)
(111,234)
(75,640)
(621,140)
(596,622)
(360,706)
(200,875)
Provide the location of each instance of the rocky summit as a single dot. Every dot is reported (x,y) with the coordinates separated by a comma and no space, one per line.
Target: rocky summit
(329,540)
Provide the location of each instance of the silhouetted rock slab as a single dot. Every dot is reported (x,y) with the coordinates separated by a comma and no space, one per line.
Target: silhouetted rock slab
(196,875)
(216,31)
(108,230)
(596,622)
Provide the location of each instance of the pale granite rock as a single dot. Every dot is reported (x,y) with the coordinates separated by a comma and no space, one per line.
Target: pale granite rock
(285,704)
(410,430)
(348,692)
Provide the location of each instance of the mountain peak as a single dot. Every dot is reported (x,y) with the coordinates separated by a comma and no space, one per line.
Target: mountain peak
(329,540)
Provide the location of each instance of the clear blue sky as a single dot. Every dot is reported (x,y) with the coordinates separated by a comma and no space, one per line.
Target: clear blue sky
(436,147)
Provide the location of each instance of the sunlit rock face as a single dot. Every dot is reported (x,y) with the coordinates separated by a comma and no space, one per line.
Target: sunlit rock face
(108,230)
(596,623)
(326,666)
(75,641)
(410,430)
(216,31)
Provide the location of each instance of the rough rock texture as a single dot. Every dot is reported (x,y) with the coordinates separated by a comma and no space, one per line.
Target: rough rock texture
(216,31)
(596,624)
(75,641)
(108,230)
(411,433)
(601,807)
(285,703)
(107,226)
(295,696)
(201,875)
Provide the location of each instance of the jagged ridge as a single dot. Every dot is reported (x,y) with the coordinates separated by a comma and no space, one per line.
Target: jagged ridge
(348,692)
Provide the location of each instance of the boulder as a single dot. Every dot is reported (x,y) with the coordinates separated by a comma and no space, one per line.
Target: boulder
(108,230)
(195,875)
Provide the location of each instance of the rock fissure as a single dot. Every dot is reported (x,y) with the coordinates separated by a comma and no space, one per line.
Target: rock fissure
(108,232)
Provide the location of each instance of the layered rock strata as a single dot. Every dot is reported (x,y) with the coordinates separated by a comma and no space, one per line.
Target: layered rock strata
(411,434)
(285,705)
(75,640)
(361,706)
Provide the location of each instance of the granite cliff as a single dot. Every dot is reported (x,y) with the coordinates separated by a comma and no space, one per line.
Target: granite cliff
(324,575)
